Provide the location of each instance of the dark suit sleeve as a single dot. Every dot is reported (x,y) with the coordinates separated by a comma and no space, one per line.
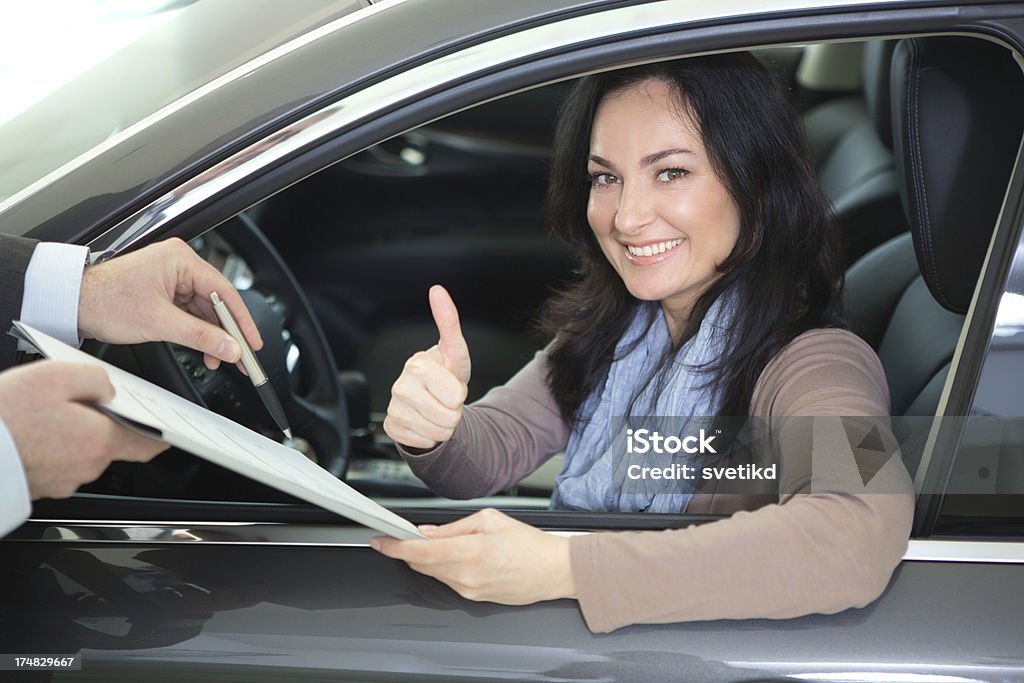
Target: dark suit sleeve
(15,253)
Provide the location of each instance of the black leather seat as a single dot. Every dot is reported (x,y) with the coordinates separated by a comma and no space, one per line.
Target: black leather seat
(851,139)
(958,114)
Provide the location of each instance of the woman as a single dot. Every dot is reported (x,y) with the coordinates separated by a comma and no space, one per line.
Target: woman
(709,286)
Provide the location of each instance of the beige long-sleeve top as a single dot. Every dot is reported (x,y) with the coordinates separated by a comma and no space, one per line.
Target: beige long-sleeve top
(827,538)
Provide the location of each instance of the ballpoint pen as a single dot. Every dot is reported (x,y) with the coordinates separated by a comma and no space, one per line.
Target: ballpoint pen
(252,365)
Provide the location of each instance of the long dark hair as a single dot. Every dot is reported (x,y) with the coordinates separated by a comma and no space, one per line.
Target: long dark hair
(785,266)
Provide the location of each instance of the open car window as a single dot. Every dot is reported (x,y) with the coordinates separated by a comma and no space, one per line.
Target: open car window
(458,201)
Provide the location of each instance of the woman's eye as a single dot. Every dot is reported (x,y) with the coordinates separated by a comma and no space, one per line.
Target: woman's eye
(599,179)
(669,174)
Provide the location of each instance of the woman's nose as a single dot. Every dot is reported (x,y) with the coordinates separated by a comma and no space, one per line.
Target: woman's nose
(634,212)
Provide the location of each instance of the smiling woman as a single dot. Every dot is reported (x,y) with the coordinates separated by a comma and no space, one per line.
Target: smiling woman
(664,219)
(709,290)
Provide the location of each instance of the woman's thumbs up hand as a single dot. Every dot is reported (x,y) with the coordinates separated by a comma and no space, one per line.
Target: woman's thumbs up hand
(426,401)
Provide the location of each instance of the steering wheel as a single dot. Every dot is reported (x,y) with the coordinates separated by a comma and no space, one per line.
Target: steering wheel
(295,355)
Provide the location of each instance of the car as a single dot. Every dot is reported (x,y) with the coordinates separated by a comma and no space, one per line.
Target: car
(334,159)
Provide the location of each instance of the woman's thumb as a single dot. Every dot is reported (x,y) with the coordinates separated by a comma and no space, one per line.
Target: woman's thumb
(451,343)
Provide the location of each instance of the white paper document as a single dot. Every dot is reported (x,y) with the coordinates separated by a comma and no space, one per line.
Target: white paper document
(197,430)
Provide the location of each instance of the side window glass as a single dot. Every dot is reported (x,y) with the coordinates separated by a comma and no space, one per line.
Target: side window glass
(986,488)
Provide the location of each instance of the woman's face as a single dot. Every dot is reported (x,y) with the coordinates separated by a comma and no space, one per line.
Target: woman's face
(663,218)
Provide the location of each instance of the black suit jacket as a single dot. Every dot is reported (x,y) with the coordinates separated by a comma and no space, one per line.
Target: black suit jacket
(15,253)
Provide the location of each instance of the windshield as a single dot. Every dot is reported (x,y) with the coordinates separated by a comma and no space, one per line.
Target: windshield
(74,73)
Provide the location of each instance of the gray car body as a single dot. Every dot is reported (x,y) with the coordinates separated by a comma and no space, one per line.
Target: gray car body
(158,590)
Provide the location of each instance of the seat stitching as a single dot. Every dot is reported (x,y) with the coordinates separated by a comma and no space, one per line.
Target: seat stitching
(922,199)
(911,146)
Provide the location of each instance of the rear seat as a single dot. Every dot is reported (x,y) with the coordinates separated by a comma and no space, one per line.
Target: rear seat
(851,139)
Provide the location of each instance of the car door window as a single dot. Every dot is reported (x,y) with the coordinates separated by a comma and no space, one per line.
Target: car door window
(985,492)
(461,197)
(458,202)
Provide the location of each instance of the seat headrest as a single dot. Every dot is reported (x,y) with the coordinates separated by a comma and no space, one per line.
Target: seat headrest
(875,69)
(958,112)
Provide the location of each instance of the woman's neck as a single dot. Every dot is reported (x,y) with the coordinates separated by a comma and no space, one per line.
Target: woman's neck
(675,320)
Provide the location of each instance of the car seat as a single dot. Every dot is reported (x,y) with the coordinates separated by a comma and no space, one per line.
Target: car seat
(851,140)
(958,115)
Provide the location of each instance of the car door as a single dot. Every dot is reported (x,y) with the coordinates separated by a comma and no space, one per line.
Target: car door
(216,590)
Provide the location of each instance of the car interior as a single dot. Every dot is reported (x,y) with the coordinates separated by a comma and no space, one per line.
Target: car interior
(912,142)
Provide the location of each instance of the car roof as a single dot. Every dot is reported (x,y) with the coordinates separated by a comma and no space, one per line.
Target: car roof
(128,171)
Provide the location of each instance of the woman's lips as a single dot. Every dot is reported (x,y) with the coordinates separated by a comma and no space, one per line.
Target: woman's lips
(652,252)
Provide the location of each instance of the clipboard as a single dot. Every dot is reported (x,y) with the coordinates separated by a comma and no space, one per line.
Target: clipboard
(155,412)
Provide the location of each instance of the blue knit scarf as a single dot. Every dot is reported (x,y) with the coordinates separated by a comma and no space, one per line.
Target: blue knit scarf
(593,475)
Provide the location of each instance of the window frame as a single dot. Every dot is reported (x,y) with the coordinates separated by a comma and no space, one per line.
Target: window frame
(283,166)
(973,354)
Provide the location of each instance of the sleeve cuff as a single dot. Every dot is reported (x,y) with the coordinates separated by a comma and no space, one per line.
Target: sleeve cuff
(592,588)
(15,505)
(53,283)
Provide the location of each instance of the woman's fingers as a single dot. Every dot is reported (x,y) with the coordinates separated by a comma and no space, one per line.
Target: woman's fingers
(428,370)
(478,522)
(413,398)
(426,402)
(415,431)
(449,551)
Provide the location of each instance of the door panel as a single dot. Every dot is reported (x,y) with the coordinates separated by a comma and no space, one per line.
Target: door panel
(233,612)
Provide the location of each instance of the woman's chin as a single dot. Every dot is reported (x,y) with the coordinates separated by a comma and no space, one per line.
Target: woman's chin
(648,292)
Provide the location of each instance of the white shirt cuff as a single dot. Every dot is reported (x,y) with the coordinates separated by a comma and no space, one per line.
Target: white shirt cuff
(15,505)
(53,283)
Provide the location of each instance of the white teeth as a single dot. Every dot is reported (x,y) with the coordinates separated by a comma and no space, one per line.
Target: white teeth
(652,249)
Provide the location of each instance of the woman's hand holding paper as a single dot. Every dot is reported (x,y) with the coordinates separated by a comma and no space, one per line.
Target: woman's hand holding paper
(489,556)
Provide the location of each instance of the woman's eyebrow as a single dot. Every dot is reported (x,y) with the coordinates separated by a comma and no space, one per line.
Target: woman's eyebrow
(655,157)
(649,160)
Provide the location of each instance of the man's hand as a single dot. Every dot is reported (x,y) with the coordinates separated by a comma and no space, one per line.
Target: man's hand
(426,401)
(63,442)
(489,556)
(162,293)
